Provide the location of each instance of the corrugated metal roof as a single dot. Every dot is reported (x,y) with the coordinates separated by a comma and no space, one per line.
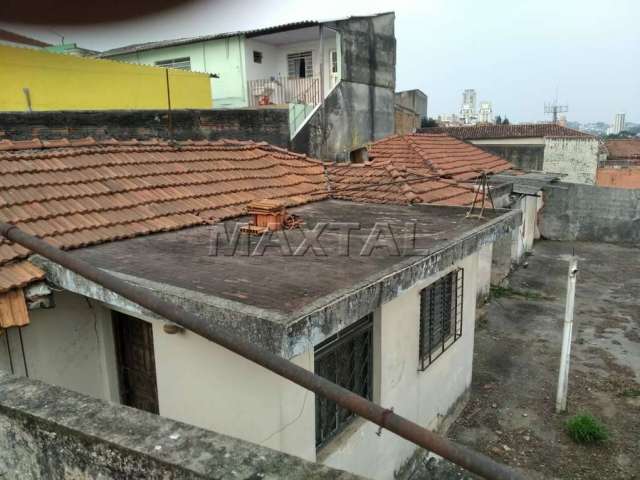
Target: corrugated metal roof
(139,47)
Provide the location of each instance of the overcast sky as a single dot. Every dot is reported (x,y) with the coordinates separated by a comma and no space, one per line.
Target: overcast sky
(515,53)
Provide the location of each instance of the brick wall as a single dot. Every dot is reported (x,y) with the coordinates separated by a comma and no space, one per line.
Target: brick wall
(619,177)
(269,124)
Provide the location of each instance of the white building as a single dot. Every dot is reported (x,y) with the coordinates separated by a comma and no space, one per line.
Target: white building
(468,108)
(618,124)
(396,327)
(485,112)
(365,326)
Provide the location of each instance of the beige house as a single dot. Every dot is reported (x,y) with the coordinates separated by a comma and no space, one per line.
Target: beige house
(382,309)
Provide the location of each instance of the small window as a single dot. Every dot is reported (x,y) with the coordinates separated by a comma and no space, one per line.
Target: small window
(333,56)
(346,359)
(300,65)
(257,57)
(183,63)
(440,316)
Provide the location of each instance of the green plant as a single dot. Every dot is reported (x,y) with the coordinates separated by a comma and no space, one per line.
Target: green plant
(585,428)
(631,392)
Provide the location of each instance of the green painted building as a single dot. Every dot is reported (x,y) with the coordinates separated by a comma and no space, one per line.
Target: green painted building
(301,66)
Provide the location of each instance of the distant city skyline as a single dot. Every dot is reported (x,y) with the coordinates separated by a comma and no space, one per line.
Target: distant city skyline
(518,54)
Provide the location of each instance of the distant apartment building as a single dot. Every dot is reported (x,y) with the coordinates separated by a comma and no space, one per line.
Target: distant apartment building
(470,113)
(468,108)
(337,78)
(485,112)
(618,124)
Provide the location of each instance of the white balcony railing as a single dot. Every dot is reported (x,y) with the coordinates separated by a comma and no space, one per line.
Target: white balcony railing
(281,91)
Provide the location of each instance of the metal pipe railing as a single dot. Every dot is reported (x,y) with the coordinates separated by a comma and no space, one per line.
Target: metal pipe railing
(385,418)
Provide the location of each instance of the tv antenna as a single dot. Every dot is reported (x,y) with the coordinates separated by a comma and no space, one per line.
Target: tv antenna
(554,108)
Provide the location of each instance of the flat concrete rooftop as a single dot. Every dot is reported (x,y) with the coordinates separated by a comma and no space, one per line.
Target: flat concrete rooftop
(282,288)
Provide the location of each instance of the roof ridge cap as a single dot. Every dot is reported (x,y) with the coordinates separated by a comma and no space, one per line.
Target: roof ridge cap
(428,162)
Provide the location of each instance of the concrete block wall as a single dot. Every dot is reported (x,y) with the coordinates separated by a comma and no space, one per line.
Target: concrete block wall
(577,158)
(590,213)
(262,124)
(526,157)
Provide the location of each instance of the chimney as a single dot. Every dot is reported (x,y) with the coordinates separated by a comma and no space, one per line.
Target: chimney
(267,214)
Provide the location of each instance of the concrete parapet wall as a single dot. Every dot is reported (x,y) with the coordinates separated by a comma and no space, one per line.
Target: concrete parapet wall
(47,432)
(261,124)
(590,213)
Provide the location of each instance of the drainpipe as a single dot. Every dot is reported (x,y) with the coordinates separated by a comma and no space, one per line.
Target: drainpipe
(169,119)
(323,145)
(465,457)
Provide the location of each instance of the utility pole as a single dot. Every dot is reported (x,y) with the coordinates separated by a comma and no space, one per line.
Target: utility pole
(565,356)
(169,119)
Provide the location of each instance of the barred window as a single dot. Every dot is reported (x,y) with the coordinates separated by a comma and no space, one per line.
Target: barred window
(300,65)
(183,63)
(346,359)
(440,316)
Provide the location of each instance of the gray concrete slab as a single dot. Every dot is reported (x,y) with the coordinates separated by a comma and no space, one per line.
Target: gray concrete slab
(283,302)
(276,281)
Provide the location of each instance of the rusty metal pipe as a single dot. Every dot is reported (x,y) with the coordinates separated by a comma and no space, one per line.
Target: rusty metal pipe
(463,456)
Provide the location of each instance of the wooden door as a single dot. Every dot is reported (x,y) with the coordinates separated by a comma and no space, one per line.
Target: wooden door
(136,362)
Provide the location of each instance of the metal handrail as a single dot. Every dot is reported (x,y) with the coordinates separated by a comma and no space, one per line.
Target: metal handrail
(472,460)
(285,90)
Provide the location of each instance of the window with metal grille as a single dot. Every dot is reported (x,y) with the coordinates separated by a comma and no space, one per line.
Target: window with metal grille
(333,56)
(346,359)
(300,65)
(440,316)
(183,63)
(257,56)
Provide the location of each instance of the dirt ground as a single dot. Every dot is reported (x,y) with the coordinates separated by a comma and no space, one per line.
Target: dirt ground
(511,414)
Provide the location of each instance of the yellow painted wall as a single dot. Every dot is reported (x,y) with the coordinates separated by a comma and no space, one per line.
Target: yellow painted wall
(67,82)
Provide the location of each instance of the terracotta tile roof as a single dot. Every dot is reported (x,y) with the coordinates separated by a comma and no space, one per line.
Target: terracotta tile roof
(522,130)
(13,37)
(78,193)
(623,149)
(439,154)
(384,182)
(13,309)
(75,193)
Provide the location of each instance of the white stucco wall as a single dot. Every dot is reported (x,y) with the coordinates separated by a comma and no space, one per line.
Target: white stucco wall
(577,158)
(70,345)
(422,396)
(208,386)
(274,58)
